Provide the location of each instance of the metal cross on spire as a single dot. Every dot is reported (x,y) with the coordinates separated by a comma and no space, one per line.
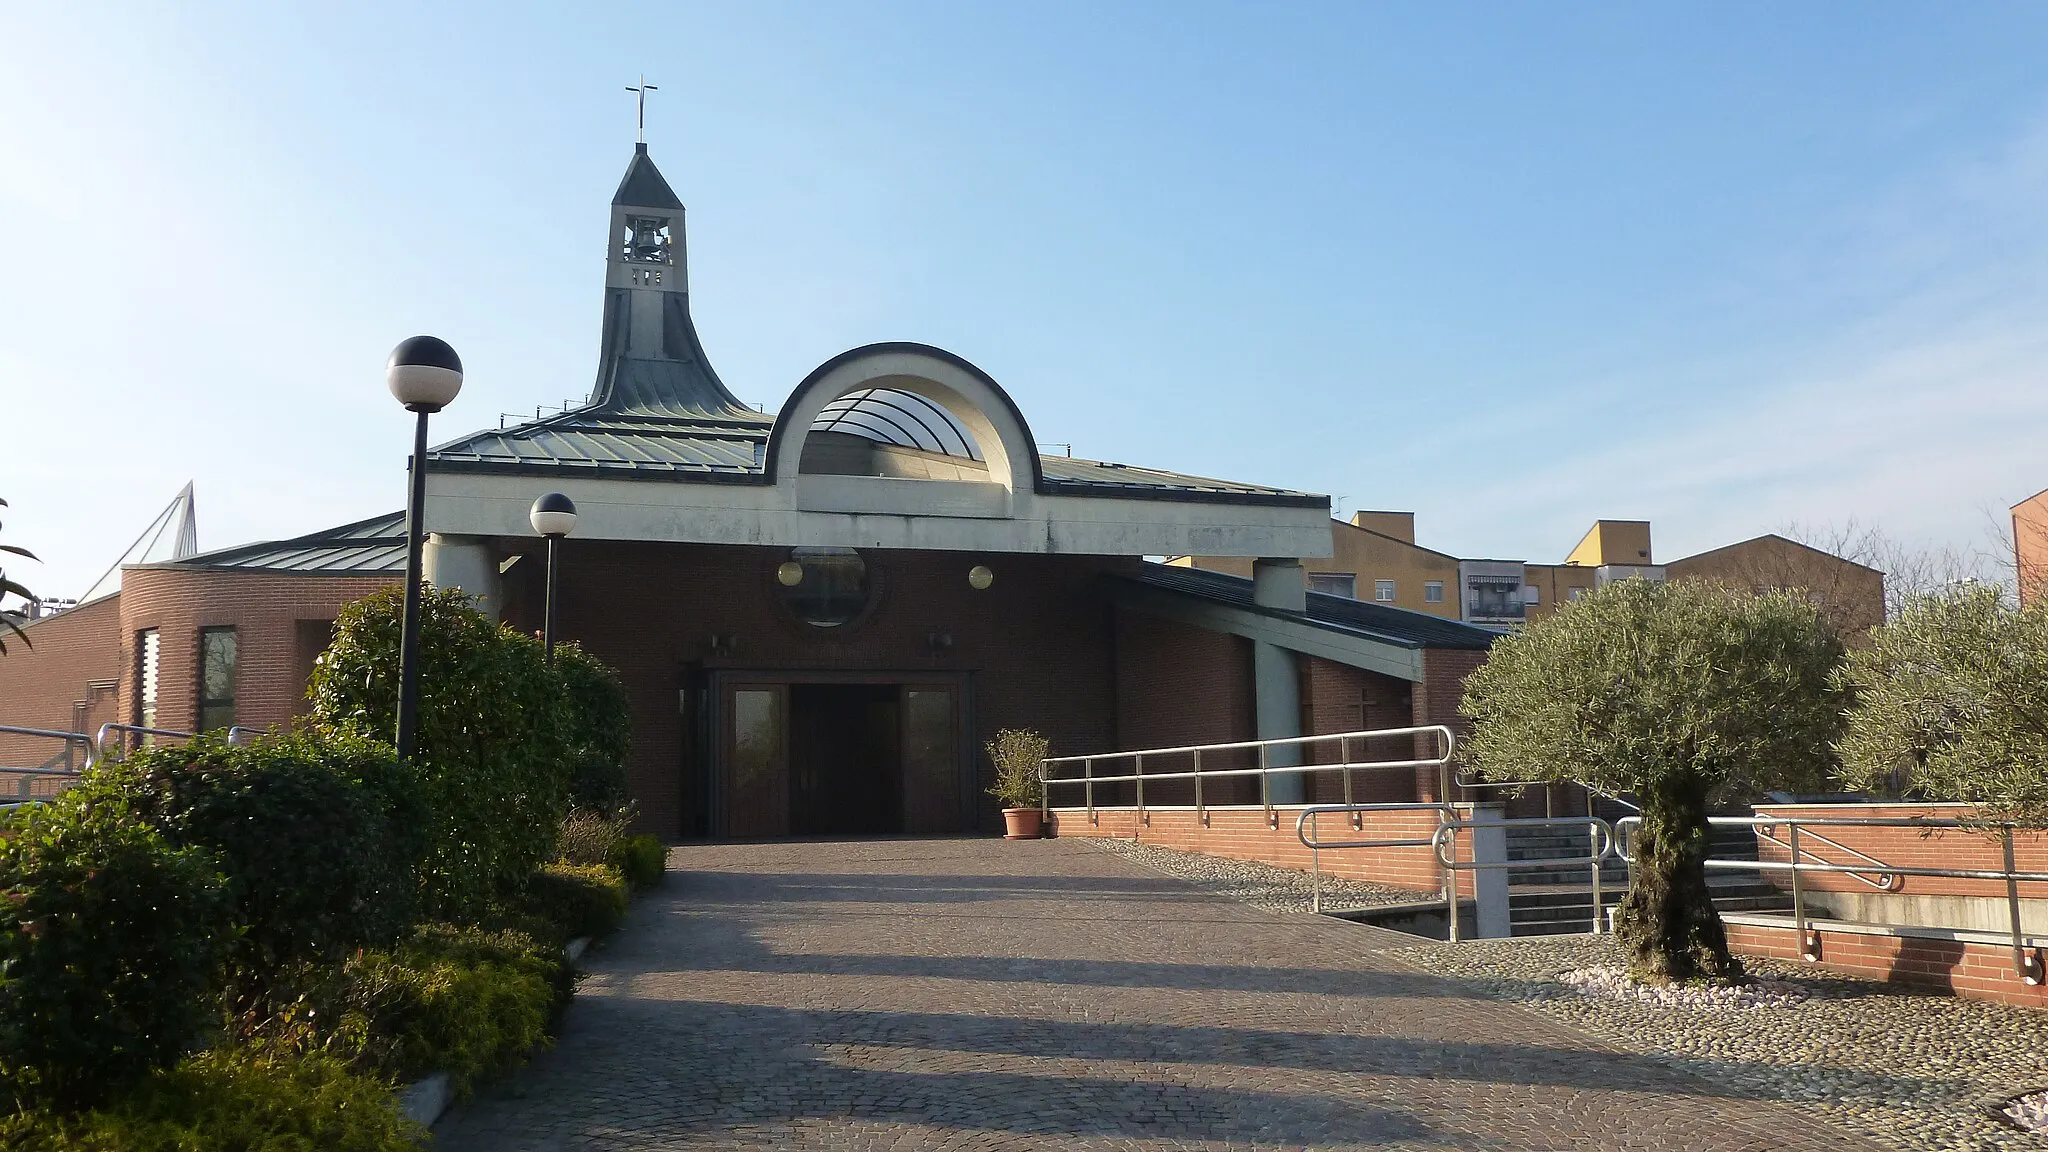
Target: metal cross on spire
(643,88)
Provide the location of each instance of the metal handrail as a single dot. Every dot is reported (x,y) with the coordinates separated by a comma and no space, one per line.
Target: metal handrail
(1307,831)
(2031,968)
(28,776)
(1266,770)
(99,741)
(1885,881)
(1599,832)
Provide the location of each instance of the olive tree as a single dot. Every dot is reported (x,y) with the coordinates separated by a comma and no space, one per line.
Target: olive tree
(1686,695)
(1952,704)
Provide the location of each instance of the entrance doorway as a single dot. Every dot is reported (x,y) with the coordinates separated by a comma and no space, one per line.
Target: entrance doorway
(851,755)
(845,765)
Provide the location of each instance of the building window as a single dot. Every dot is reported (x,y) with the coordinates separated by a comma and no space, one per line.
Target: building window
(1433,592)
(824,587)
(1383,591)
(1343,584)
(1575,593)
(1531,594)
(1490,598)
(216,678)
(146,651)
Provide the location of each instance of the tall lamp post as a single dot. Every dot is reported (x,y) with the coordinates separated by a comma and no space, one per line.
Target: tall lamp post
(553,516)
(424,373)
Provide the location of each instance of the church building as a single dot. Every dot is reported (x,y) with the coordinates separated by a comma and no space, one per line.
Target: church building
(821,614)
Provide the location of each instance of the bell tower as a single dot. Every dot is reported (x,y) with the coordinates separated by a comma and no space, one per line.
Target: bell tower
(647,274)
(650,361)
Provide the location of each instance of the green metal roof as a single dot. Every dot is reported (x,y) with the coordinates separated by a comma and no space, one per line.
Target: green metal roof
(372,547)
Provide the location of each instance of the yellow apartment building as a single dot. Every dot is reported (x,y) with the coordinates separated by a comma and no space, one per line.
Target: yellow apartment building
(1374,556)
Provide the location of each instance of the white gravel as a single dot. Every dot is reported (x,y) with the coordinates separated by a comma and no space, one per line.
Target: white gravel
(2030,1111)
(1908,1071)
(1612,982)
(1261,885)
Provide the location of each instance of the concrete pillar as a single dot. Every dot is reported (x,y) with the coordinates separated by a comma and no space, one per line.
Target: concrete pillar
(1490,885)
(1276,675)
(468,563)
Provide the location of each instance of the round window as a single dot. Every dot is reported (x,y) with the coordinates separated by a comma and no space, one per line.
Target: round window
(831,586)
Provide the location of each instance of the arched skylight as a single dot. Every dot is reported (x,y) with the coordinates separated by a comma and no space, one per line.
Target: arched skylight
(905,419)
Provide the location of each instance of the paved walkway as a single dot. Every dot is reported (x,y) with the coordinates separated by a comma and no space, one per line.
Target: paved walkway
(923,994)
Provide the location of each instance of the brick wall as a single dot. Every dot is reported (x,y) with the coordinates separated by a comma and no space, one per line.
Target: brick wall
(43,683)
(1906,848)
(277,619)
(1242,833)
(1178,685)
(1037,646)
(1340,698)
(1436,701)
(1973,971)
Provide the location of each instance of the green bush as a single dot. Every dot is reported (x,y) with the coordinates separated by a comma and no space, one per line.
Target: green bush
(601,730)
(576,899)
(494,749)
(112,951)
(247,1099)
(303,827)
(464,1000)
(640,859)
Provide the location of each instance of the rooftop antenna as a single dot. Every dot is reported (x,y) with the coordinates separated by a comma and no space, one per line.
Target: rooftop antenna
(642,89)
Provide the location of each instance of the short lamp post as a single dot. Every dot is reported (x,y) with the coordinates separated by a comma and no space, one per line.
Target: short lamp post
(424,374)
(553,516)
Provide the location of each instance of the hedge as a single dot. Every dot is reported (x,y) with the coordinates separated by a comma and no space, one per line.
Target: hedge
(112,957)
(248,1099)
(319,846)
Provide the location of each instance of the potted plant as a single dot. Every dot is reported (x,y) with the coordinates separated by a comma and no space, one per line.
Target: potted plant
(1017,754)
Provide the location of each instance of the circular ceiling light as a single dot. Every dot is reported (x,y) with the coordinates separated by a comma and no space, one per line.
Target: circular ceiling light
(979,577)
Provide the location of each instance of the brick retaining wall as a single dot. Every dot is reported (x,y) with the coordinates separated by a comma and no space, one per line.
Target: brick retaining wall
(1241,833)
(1975,971)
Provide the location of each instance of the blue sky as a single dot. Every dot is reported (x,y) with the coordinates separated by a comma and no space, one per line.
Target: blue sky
(1724,267)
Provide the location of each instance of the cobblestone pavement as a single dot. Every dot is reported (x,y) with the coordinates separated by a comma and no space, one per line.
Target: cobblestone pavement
(927,994)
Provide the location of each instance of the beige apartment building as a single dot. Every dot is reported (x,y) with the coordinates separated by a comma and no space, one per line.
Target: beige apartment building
(1374,556)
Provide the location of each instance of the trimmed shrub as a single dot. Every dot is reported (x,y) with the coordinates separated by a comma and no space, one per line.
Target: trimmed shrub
(111,957)
(576,899)
(494,738)
(248,1099)
(313,858)
(601,729)
(641,860)
(463,1000)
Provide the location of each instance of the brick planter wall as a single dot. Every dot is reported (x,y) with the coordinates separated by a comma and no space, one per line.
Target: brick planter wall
(1241,833)
(1975,971)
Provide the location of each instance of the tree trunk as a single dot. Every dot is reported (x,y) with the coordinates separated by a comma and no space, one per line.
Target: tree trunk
(1667,923)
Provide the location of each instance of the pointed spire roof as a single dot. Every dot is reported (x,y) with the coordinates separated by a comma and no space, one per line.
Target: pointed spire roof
(173,535)
(643,186)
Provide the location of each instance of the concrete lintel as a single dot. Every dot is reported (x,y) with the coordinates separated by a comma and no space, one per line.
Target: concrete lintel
(879,513)
(1394,660)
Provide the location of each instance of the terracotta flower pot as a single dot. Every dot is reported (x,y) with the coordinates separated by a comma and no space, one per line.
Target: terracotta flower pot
(1022,823)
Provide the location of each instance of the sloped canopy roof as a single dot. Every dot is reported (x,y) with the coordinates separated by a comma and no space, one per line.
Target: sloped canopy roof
(372,547)
(1399,626)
